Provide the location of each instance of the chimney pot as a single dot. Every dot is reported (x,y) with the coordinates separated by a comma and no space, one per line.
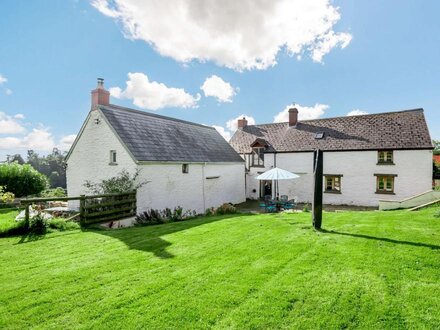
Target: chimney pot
(293,117)
(100,96)
(242,123)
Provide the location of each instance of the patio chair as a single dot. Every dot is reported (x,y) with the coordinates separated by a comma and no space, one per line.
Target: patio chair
(289,205)
(270,207)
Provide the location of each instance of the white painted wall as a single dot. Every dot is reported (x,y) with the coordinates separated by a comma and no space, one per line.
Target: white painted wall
(167,186)
(358,184)
(90,157)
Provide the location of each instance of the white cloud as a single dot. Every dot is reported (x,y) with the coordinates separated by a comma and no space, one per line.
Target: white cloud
(232,124)
(223,132)
(11,124)
(8,91)
(304,113)
(328,42)
(357,112)
(39,138)
(216,87)
(242,35)
(3,79)
(66,142)
(152,95)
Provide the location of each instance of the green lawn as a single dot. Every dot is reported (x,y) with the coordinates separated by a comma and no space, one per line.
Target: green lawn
(366,270)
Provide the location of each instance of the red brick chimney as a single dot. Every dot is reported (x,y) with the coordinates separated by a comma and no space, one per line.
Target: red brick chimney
(242,123)
(100,95)
(293,117)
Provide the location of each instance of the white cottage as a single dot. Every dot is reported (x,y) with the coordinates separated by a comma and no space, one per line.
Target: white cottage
(185,164)
(366,158)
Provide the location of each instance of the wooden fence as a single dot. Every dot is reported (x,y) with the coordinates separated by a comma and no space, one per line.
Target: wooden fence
(95,208)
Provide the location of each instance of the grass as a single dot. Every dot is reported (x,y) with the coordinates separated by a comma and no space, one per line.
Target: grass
(365,270)
(7,221)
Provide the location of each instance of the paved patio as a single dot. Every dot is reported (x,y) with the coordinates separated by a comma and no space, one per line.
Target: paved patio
(253,206)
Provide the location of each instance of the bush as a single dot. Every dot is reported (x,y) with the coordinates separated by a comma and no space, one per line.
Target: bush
(123,182)
(149,217)
(306,208)
(22,180)
(6,197)
(210,211)
(53,192)
(38,224)
(155,217)
(62,224)
(226,208)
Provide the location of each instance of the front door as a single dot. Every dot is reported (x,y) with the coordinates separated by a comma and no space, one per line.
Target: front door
(265,188)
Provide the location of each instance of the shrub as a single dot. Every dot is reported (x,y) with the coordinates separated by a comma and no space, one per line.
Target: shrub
(62,224)
(53,192)
(22,180)
(6,197)
(149,217)
(38,224)
(306,208)
(226,208)
(155,217)
(210,211)
(123,182)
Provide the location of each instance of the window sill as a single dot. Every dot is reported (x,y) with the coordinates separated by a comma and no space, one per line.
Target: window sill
(384,192)
(113,164)
(332,192)
(385,163)
(261,166)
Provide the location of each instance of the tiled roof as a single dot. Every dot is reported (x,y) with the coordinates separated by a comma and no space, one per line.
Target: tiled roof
(391,130)
(151,137)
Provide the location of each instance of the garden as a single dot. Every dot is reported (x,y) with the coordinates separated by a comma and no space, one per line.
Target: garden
(363,270)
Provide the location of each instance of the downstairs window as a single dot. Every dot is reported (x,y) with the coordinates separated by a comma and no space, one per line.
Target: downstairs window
(332,183)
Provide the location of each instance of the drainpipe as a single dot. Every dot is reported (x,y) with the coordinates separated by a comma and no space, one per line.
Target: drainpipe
(203,186)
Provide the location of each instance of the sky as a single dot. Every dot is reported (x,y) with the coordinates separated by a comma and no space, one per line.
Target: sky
(212,62)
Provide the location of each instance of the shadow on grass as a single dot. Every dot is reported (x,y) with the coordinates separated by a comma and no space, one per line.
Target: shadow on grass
(383,239)
(149,238)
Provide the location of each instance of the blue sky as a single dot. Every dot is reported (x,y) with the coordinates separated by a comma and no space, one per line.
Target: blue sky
(385,58)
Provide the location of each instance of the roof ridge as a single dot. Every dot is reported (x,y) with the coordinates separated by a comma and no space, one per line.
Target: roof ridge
(363,115)
(118,107)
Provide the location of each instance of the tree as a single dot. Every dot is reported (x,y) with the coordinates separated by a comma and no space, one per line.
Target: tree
(22,180)
(15,158)
(52,166)
(436,144)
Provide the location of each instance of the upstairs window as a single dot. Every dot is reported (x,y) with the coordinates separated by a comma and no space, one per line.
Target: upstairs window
(332,183)
(385,157)
(257,157)
(113,158)
(185,168)
(385,183)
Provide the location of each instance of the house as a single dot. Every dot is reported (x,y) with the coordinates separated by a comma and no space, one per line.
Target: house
(366,158)
(185,164)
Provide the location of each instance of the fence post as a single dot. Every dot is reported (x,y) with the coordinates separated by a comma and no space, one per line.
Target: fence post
(82,204)
(26,213)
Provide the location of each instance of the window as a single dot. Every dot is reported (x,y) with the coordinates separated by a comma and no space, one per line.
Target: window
(113,157)
(332,183)
(319,135)
(385,183)
(385,157)
(185,168)
(257,157)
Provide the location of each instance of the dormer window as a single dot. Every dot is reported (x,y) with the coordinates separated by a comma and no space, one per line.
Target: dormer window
(385,157)
(257,157)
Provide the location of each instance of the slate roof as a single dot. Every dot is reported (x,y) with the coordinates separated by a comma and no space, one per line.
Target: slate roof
(151,137)
(390,130)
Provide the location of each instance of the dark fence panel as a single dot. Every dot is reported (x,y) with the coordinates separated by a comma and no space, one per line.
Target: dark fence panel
(96,208)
